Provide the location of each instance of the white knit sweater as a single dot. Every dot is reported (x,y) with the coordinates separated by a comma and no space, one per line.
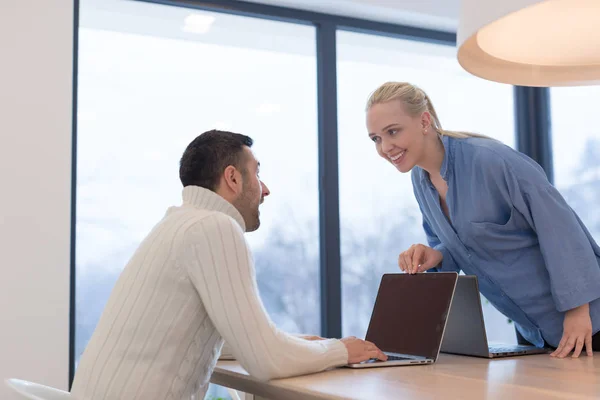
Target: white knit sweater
(190,284)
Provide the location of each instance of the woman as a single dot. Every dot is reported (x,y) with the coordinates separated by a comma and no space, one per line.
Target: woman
(490,211)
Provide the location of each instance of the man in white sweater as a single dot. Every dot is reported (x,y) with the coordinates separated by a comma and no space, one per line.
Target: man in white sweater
(190,285)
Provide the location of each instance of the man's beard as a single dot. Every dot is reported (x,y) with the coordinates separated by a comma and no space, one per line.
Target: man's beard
(249,211)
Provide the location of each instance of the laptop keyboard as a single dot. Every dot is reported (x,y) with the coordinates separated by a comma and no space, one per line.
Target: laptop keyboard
(390,358)
(398,358)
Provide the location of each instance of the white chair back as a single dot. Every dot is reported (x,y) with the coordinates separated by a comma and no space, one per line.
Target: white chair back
(35,391)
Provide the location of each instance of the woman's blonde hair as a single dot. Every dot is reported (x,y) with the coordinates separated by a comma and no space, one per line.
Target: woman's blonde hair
(416,102)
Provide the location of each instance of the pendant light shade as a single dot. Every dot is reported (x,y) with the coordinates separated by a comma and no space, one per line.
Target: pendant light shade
(531,42)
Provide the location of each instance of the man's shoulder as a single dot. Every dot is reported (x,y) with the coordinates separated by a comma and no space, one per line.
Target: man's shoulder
(199,220)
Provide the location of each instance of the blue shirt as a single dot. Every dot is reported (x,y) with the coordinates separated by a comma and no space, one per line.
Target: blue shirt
(508,225)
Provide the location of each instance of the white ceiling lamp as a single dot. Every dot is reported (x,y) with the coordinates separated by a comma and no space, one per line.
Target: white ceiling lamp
(198,23)
(531,42)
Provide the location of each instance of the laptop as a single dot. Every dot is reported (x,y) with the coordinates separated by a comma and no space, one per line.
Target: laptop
(465,330)
(409,318)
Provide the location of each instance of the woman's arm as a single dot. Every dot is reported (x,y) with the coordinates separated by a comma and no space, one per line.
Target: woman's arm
(565,244)
(448,264)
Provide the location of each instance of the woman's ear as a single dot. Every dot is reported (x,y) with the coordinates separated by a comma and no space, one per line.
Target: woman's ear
(426,121)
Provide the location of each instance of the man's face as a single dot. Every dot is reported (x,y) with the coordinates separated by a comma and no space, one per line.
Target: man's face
(253,191)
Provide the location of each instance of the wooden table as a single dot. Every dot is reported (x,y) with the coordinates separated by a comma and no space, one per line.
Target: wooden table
(452,377)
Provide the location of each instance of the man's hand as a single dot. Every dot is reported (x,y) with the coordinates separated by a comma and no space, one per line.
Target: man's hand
(577,332)
(361,350)
(419,258)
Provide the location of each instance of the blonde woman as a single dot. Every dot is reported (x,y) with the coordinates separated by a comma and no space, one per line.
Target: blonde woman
(490,211)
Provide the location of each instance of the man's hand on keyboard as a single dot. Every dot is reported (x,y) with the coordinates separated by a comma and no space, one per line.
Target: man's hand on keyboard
(361,350)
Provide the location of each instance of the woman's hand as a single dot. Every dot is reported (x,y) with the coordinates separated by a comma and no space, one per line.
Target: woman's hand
(419,258)
(577,332)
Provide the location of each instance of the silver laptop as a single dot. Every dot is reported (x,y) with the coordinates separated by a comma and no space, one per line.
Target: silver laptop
(465,330)
(409,317)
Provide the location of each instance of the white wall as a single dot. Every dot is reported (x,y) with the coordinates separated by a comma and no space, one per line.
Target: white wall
(36,56)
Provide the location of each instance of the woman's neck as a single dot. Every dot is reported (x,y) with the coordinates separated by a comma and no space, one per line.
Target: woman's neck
(435,152)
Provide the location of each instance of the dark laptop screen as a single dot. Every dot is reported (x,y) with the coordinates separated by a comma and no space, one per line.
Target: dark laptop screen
(410,312)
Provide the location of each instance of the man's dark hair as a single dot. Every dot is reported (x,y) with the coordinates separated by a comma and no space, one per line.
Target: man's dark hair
(207,156)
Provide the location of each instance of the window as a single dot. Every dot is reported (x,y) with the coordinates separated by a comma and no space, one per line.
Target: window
(378,213)
(576,150)
(153,77)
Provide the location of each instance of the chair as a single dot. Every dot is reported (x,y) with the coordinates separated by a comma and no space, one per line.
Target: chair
(233,394)
(35,391)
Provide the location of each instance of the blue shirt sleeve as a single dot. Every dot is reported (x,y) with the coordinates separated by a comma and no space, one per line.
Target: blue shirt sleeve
(448,263)
(566,248)
(433,241)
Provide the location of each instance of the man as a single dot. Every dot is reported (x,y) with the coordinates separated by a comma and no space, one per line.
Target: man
(190,285)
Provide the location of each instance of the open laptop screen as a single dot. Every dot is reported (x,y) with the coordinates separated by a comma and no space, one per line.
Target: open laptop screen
(410,313)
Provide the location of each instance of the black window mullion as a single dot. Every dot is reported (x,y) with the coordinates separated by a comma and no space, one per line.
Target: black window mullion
(533,125)
(329,204)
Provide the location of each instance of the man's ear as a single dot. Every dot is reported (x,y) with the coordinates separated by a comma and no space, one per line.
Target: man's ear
(233,179)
